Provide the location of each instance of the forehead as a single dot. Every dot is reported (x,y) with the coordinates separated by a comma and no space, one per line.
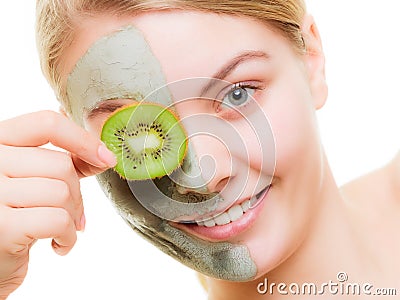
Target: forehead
(108,62)
(205,39)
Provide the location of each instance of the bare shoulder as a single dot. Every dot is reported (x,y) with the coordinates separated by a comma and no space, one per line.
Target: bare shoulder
(373,207)
(395,170)
(380,187)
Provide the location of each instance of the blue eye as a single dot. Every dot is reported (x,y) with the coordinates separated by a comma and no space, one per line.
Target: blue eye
(238,95)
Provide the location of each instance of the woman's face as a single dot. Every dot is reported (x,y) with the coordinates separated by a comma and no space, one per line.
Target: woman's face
(251,128)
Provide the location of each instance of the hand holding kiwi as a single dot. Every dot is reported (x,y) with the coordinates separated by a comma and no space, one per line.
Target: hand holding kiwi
(39,188)
(147,139)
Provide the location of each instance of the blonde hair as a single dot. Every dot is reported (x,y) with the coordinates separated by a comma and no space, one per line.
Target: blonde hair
(56,20)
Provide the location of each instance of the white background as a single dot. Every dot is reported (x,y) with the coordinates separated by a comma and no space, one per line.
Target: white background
(359,128)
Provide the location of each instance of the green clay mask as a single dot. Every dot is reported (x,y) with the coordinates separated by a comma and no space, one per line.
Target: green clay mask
(122,66)
(117,66)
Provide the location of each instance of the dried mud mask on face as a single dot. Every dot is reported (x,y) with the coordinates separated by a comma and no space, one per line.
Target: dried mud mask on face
(121,65)
(117,66)
(140,139)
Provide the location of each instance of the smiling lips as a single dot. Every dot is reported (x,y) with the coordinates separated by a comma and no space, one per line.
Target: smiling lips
(230,223)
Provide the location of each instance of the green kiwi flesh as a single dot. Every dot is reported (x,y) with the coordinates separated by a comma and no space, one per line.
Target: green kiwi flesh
(147,139)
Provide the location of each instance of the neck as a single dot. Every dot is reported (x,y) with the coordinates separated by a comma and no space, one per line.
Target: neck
(395,175)
(326,251)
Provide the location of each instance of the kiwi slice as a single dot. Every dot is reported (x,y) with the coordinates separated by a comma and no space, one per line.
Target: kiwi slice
(147,139)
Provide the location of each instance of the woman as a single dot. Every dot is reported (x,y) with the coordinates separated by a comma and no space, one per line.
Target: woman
(302,217)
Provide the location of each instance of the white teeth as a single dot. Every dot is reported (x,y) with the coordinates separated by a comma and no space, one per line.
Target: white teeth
(209,223)
(235,212)
(222,219)
(245,205)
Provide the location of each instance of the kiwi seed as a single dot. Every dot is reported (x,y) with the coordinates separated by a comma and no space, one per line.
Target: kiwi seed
(147,139)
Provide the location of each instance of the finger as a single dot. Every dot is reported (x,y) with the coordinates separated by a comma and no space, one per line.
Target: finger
(30,224)
(20,162)
(83,169)
(41,192)
(28,162)
(40,128)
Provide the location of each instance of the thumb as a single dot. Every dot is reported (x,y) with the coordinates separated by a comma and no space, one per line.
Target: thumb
(84,169)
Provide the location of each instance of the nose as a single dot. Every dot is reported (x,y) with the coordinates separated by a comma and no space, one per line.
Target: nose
(206,168)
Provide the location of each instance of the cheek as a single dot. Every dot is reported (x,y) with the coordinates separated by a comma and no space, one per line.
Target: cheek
(285,218)
(294,126)
(292,137)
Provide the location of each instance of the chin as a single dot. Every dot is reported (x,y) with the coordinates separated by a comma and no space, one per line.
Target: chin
(223,260)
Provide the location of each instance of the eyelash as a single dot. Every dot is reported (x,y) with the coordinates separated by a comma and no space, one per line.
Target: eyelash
(228,113)
(242,85)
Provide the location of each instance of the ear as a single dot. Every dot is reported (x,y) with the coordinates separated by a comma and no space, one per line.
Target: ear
(314,61)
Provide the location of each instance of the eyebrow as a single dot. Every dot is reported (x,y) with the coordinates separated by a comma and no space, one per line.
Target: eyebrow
(228,68)
(231,65)
(103,107)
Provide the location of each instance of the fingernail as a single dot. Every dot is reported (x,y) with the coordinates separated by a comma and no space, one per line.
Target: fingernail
(106,156)
(58,249)
(82,223)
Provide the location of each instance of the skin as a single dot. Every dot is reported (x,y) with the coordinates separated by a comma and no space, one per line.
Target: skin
(104,74)
(53,206)
(306,217)
(308,230)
